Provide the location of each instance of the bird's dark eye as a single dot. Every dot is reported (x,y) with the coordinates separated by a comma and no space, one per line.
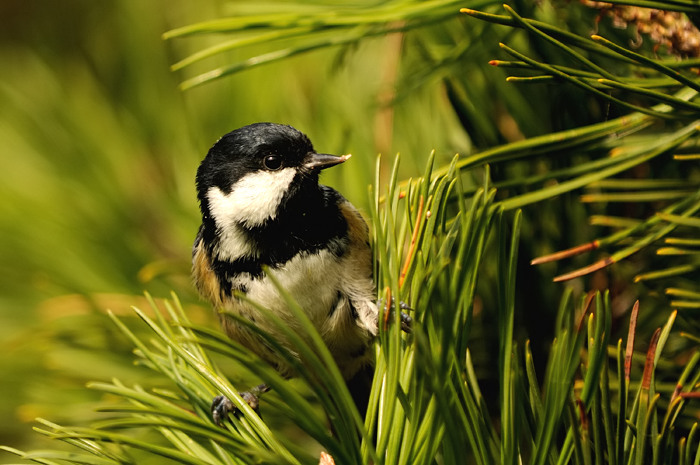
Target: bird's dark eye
(272,162)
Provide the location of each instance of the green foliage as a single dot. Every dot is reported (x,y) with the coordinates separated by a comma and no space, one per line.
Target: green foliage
(426,403)
(660,91)
(97,198)
(492,373)
(675,131)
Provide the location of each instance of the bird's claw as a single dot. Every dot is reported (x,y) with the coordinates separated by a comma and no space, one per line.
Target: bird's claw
(406,320)
(222,406)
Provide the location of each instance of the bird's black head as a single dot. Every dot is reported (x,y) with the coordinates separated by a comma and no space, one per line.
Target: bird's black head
(251,172)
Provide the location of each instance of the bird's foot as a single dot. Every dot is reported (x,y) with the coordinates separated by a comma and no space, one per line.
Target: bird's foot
(222,406)
(406,320)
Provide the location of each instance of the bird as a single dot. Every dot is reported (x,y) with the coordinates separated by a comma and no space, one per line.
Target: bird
(265,214)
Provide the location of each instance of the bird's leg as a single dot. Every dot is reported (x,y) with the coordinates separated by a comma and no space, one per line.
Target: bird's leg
(221,406)
(406,320)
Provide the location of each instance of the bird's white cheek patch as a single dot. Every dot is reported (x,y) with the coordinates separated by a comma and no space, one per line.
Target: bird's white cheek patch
(253,200)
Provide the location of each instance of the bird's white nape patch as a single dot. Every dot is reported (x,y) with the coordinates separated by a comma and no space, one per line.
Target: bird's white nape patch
(253,200)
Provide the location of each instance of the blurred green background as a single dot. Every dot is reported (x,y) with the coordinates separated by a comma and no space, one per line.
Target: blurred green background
(99,152)
(100,147)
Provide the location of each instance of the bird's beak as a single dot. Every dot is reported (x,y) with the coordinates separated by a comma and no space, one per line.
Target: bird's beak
(321,161)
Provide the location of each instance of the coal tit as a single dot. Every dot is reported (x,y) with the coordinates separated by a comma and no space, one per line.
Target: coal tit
(262,207)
